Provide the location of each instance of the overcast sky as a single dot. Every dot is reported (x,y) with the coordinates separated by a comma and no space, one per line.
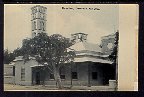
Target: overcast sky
(95,23)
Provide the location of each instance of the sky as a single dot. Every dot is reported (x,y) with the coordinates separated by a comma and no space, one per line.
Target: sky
(95,23)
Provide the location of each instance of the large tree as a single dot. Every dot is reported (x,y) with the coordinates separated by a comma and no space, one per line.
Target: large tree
(51,51)
(8,56)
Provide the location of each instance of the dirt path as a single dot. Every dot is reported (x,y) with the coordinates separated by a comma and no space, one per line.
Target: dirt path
(10,87)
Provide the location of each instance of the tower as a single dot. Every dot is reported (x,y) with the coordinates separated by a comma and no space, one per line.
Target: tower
(38,20)
(79,37)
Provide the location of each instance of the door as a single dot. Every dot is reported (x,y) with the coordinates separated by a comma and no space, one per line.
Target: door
(38,78)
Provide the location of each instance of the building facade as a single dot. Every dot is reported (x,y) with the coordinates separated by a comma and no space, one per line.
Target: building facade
(9,73)
(91,67)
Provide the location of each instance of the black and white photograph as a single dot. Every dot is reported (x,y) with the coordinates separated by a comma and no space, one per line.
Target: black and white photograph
(66,47)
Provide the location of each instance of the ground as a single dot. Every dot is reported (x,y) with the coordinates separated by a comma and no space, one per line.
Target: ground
(11,87)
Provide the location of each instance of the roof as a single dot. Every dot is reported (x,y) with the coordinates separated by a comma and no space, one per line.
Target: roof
(80,46)
(89,52)
(109,36)
(79,33)
(20,58)
(12,63)
(92,59)
(8,65)
(37,65)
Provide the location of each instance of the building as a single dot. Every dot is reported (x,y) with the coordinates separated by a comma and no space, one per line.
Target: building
(9,73)
(91,66)
(38,20)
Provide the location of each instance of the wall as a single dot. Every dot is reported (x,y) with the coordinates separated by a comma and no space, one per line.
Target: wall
(8,70)
(8,74)
(28,74)
(9,79)
(82,69)
(82,73)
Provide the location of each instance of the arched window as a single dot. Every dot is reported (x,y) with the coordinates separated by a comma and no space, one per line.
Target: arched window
(42,25)
(34,16)
(34,23)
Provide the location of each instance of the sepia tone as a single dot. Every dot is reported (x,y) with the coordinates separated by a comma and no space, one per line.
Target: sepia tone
(127,52)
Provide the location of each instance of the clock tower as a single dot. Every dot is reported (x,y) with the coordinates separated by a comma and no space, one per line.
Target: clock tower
(38,20)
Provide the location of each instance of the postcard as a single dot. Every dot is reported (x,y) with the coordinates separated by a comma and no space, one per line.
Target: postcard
(71,47)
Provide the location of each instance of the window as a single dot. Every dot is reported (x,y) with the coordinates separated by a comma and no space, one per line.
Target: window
(34,25)
(22,74)
(51,76)
(13,70)
(62,72)
(42,26)
(62,76)
(40,9)
(74,71)
(74,75)
(35,10)
(94,75)
(34,16)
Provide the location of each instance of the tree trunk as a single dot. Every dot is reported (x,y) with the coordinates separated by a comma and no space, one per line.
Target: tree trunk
(57,77)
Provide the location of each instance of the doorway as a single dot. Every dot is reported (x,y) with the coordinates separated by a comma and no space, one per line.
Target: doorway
(37,78)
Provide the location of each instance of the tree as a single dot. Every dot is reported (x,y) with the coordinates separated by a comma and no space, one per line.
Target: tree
(51,51)
(8,56)
(114,56)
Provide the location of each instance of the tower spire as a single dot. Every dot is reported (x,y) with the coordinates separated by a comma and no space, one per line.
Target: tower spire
(38,20)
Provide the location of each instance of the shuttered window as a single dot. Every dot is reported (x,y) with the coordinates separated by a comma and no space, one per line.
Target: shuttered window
(23,74)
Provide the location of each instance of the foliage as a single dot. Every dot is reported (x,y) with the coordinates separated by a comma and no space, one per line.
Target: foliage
(8,56)
(51,51)
(114,54)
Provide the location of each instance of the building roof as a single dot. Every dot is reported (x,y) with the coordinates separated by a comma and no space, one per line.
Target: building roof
(12,64)
(81,46)
(86,51)
(37,65)
(109,36)
(20,58)
(8,65)
(91,59)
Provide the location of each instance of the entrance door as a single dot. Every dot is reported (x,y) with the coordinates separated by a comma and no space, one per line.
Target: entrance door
(37,78)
